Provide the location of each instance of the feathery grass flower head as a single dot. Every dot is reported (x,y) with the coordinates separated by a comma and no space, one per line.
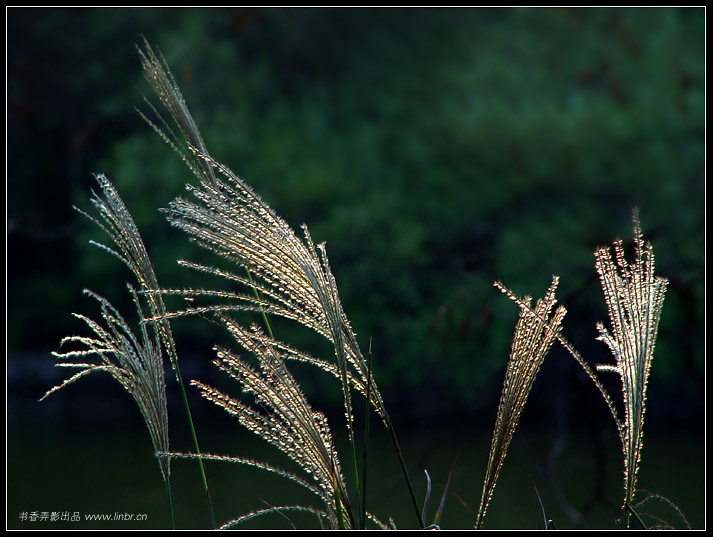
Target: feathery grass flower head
(135,361)
(282,416)
(634,298)
(535,331)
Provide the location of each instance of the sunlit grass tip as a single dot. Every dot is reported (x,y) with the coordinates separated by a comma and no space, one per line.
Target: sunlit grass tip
(634,296)
(535,332)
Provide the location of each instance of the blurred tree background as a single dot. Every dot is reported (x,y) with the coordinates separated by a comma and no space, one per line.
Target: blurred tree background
(434,150)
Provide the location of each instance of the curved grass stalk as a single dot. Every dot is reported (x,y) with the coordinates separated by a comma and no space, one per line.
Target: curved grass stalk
(272,509)
(246,462)
(292,279)
(232,221)
(261,512)
(658,523)
(272,469)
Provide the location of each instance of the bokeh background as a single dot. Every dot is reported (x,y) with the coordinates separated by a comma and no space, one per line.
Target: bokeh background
(435,151)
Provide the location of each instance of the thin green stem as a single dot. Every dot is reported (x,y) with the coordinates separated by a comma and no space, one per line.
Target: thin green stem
(404,470)
(265,318)
(170,502)
(352,441)
(338,503)
(204,479)
(367,411)
(629,510)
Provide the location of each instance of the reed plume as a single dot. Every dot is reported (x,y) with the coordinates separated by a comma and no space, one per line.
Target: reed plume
(135,361)
(285,275)
(283,417)
(117,222)
(535,332)
(291,278)
(634,298)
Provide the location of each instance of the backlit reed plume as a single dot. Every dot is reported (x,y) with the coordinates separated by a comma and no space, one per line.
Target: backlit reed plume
(283,417)
(284,275)
(135,361)
(634,298)
(292,277)
(535,332)
(287,276)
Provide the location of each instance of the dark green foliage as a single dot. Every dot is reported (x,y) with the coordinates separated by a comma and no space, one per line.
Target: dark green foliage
(433,150)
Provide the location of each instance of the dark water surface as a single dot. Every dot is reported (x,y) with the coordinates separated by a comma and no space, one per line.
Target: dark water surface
(74,470)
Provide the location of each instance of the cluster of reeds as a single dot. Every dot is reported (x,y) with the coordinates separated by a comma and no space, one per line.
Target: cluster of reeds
(135,362)
(289,276)
(634,298)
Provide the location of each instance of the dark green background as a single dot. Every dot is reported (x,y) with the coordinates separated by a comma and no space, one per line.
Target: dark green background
(433,150)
